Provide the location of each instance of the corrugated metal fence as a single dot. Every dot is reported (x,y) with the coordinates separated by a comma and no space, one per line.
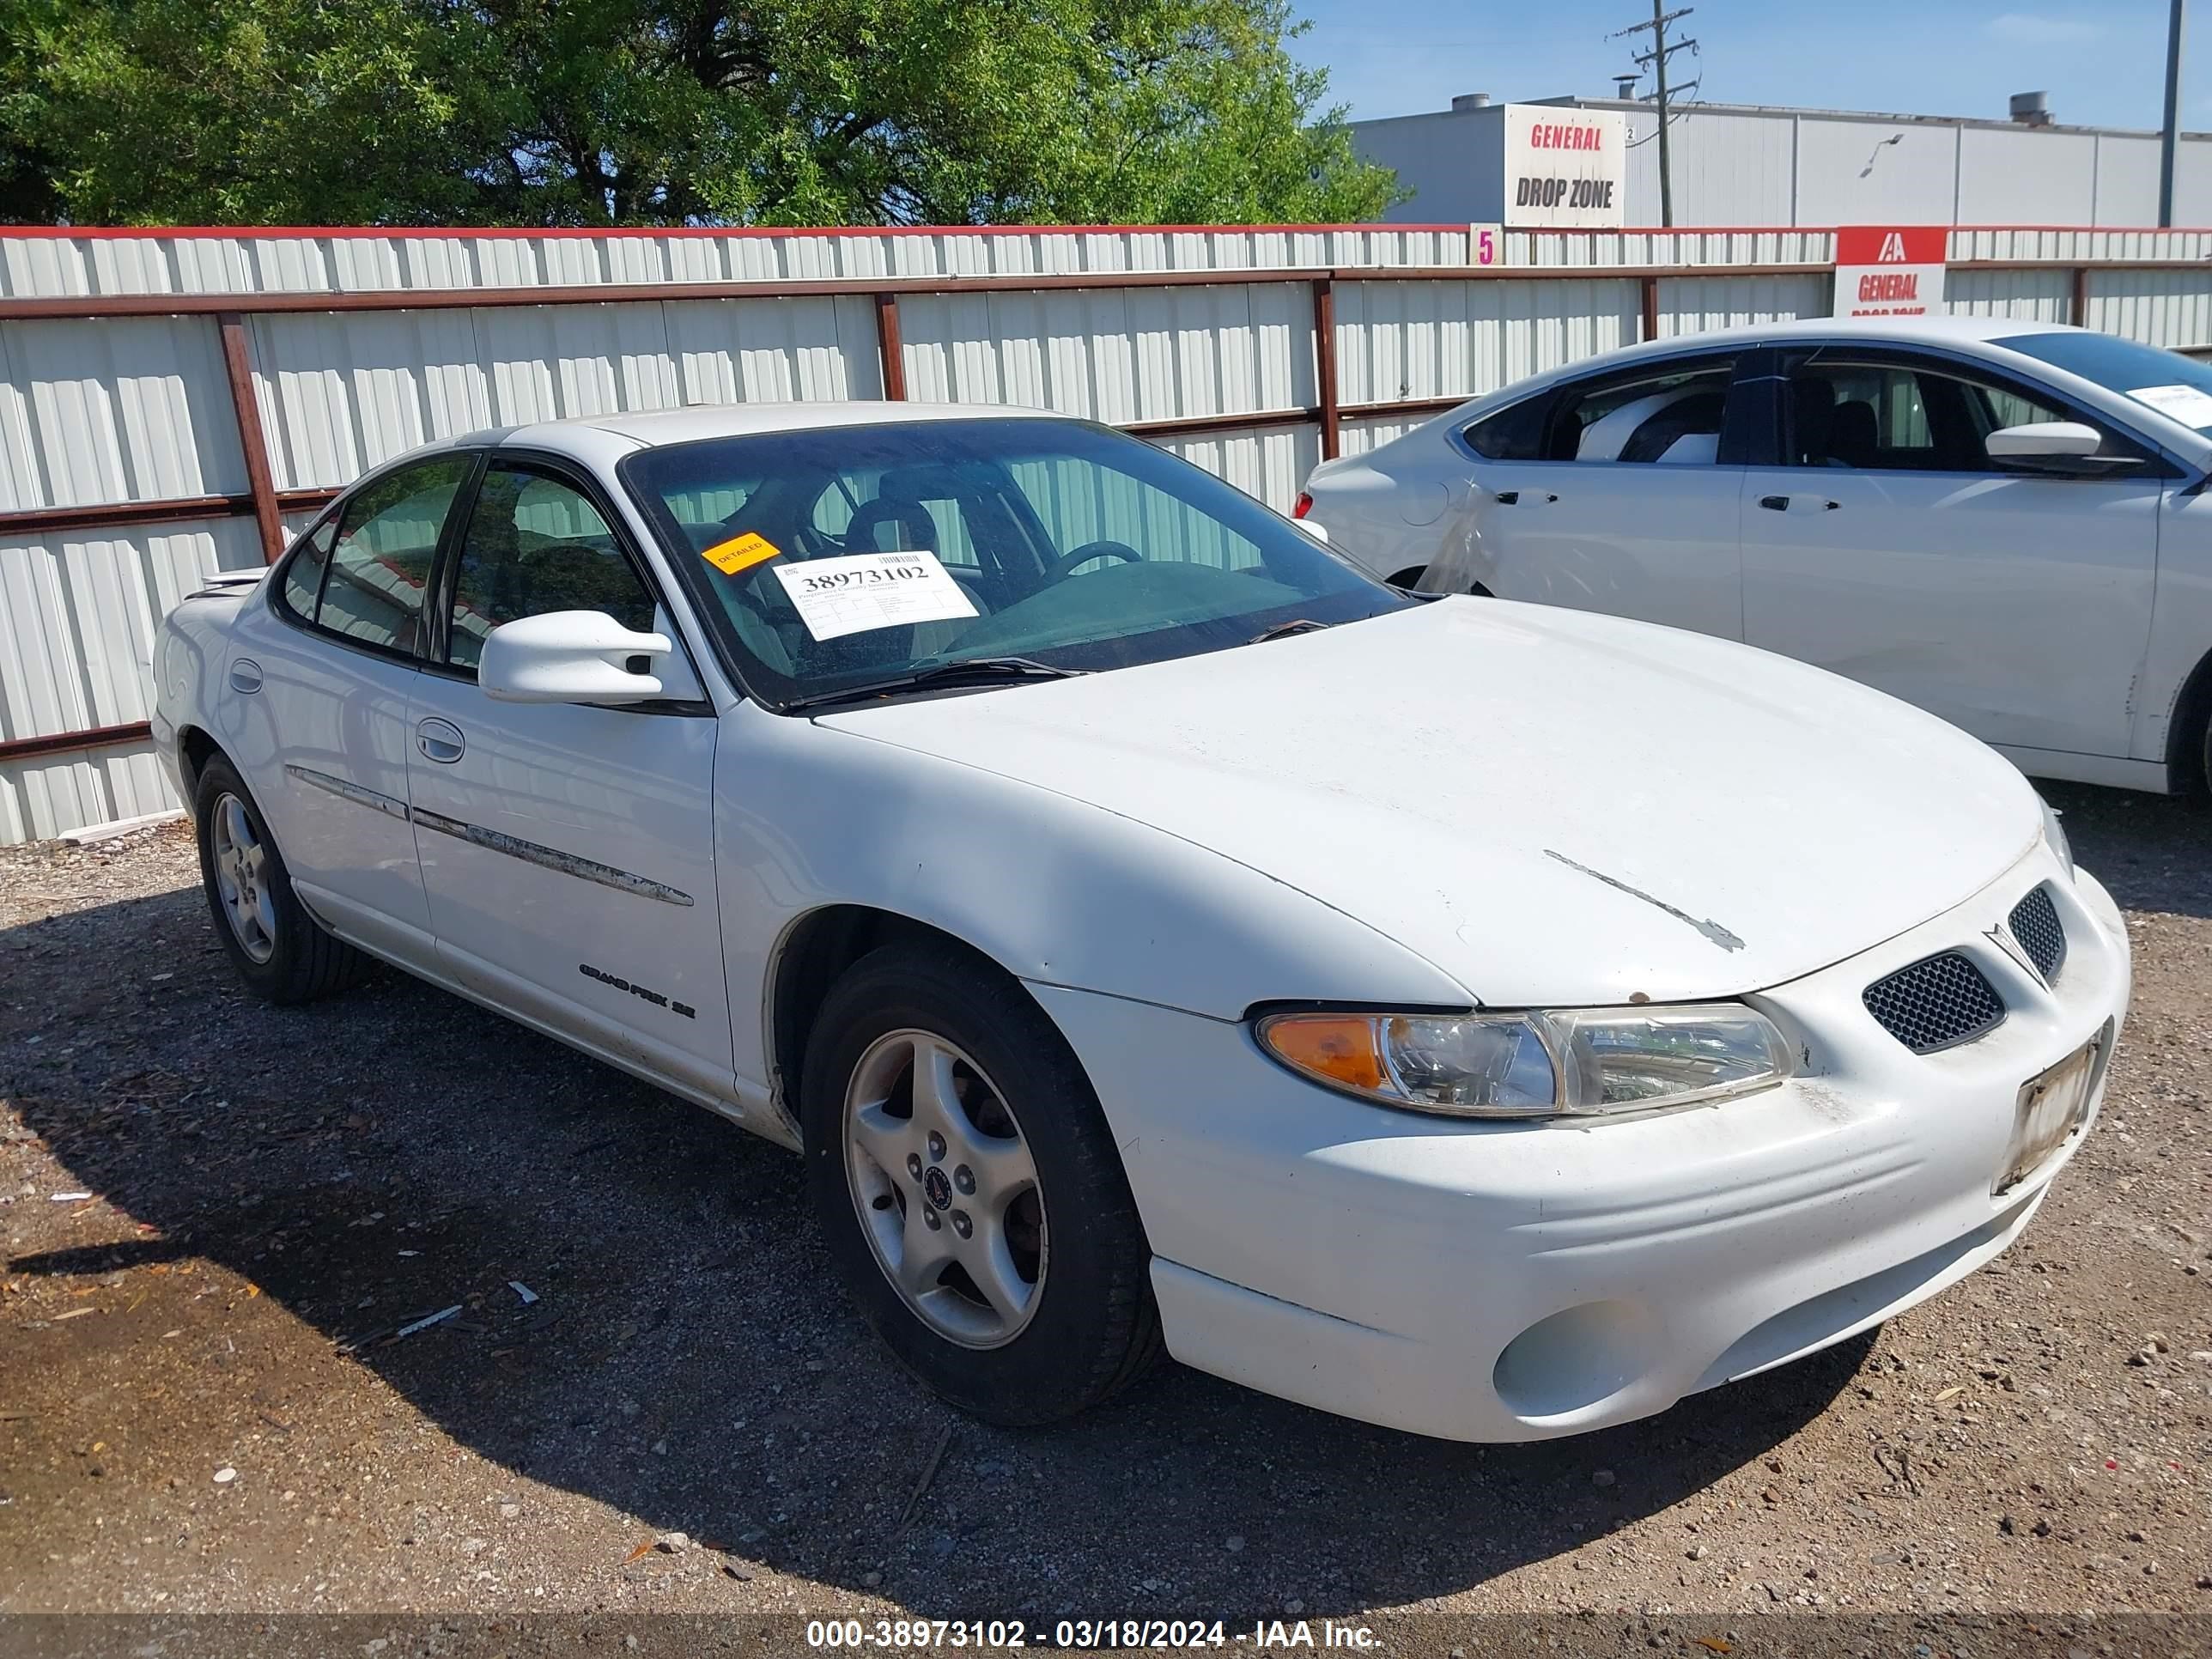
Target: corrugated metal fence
(169,402)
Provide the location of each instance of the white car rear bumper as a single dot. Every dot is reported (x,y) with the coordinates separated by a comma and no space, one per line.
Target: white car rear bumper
(1500,1281)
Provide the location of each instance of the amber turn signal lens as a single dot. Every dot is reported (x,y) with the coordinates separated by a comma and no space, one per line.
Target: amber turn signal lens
(1341,1048)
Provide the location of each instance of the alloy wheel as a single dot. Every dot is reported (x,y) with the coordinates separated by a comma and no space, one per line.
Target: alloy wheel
(945,1187)
(242,878)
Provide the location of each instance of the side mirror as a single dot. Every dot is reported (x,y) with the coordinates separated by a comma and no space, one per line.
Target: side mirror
(573,656)
(2065,449)
(1319,532)
(2053,441)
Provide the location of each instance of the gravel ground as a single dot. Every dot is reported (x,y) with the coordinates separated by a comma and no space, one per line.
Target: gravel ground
(202,1407)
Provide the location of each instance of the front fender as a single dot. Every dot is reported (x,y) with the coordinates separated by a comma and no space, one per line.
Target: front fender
(1055,891)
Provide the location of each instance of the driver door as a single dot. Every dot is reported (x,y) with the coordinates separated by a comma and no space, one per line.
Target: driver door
(568,852)
(1889,548)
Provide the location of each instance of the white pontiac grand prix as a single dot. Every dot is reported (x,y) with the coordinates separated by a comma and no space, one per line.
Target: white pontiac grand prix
(1481,1018)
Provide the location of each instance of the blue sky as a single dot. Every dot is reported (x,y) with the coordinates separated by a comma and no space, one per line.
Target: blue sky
(2102,61)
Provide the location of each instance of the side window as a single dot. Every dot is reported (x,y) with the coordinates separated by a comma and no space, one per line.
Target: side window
(535,545)
(1513,434)
(1672,419)
(303,571)
(381,562)
(1880,416)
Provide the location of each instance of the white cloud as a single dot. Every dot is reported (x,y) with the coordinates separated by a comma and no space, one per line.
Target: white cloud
(2029,28)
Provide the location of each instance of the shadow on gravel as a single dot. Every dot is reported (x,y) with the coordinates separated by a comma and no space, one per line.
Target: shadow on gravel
(2154,851)
(690,1360)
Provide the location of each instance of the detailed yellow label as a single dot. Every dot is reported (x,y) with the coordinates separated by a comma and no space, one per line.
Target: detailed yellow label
(740,553)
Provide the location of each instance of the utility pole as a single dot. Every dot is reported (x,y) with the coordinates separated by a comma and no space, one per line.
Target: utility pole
(1655,60)
(2170,136)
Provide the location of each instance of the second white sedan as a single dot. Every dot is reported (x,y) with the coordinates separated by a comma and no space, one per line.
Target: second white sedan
(2003,522)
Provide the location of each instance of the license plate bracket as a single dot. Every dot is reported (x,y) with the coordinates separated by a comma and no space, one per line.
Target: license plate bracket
(2053,1106)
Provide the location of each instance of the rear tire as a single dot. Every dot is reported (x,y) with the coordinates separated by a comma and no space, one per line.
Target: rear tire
(279,949)
(949,1126)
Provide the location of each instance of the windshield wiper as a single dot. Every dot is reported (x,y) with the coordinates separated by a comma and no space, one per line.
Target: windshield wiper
(961,671)
(1283,630)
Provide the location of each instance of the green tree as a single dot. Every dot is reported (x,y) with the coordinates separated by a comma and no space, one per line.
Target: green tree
(668,112)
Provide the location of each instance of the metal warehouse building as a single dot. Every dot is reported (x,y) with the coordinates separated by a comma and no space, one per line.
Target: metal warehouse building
(1752,165)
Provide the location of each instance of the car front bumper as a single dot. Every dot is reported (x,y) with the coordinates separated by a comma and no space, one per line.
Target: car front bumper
(1500,1281)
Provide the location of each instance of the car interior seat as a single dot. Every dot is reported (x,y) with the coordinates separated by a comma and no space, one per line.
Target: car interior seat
(1854,434)
(1812,420)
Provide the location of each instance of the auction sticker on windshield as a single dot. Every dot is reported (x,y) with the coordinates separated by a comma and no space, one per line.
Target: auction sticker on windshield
(2185,403)
(866,590)
(740,553)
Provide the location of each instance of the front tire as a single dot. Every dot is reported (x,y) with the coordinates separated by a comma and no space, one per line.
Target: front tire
(279,949)
(969,1191)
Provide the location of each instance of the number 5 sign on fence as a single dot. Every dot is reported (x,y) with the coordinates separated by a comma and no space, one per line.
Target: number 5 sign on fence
(1486,244)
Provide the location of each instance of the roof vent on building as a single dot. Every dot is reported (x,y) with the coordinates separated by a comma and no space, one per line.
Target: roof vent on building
(1471,100)
(2032,109)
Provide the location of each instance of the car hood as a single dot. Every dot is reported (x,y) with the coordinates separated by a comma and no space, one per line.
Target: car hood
(1551,806)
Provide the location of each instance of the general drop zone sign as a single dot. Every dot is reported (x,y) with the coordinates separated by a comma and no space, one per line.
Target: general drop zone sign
(1890,270)
(1565,168)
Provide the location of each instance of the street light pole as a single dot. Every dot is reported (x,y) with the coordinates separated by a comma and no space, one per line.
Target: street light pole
(2170,136)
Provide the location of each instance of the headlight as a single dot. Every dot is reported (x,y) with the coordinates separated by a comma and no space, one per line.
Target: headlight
(1576,1062)
(2054,837)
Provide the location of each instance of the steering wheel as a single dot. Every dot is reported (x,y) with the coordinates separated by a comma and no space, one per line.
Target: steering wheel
(1066,562)
(912,517)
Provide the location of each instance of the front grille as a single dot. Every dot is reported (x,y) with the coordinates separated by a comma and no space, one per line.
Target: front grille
(1936,1003)
(2034,923)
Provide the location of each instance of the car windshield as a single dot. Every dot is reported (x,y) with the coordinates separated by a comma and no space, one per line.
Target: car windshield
(2176,387)
(844,560)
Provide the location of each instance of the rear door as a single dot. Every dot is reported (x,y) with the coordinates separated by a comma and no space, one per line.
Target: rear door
(1887,546)
(567,851)
(1623,495)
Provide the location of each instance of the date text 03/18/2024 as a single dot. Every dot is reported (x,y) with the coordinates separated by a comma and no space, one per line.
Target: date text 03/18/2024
(1081,1633)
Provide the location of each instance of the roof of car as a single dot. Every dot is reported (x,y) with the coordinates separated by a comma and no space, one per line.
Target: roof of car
(652,428)
(1898,330)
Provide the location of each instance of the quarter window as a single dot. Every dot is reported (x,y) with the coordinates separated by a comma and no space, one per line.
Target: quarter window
(303,571)
(382,563)
(1513,434)
(1672,419)
(535,545)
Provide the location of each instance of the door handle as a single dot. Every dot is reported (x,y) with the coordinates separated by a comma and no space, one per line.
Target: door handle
(1512,497)
(440,741)
(1781,503)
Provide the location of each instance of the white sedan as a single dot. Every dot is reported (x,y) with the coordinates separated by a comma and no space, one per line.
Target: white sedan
(2003,522)
(1485,1020)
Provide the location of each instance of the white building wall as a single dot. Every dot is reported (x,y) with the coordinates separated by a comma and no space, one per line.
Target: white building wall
(1729,169)
(1817,169)
(2018,176)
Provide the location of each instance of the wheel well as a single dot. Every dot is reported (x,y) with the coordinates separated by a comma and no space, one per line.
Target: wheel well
(817,950)
(2185,735)
(195,747)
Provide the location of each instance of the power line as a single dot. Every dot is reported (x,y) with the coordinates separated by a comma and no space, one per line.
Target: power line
(1655,60)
